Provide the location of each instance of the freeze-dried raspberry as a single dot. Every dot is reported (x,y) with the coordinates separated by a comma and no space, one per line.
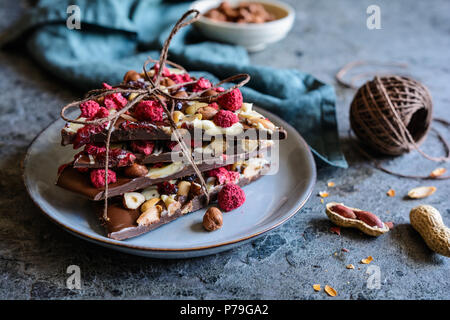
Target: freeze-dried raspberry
(89,108)
(219,89)
(94,149)
(201,84)
(115,101)
(106,86)
(148,111)
(214,105)
(232,100)
(98,177)
(167,188)
(180,78)
(165,73)
(225,118)
(101,113)
(223,175)
(172,145)
(230,197)
(83,135)
(143,146)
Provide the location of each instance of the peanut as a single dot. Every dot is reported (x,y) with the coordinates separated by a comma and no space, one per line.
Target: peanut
(344,211)
(366,222)
(428,222)
(369,218)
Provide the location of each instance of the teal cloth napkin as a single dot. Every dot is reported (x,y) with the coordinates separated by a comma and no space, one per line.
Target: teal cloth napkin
(117,36)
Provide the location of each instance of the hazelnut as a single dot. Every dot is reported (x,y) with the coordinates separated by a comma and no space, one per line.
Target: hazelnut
(132,200)
(181,94)
(213,219)
(166,82)
(207,112)
(209,93)
(131,76)
(135,170)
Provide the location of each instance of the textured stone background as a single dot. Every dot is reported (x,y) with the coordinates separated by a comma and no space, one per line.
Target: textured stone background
(34,253)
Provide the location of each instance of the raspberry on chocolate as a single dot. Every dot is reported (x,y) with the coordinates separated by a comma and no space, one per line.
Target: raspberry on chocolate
(164,73)
(106,86)
(223,176)
(143,146)
(98,177)
(115,101)
(89,108)
(225,118)
(149,110)
(201,84)
(94,149)
(101,113)
(230,197)
(180,78)
(232,100)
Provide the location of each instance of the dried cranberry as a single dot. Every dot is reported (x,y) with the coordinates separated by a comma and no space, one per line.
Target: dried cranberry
(167,188)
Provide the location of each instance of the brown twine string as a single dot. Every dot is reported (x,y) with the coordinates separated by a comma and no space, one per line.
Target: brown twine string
(153,92)
(399,134)
(351,65)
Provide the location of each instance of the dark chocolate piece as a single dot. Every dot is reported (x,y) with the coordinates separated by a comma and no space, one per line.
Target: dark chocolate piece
(83,160)
(126,131)
(122,222)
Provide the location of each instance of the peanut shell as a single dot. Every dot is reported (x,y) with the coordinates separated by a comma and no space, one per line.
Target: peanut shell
(354,223)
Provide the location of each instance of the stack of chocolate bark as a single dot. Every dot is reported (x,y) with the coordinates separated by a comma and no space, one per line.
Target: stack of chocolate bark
(151,180)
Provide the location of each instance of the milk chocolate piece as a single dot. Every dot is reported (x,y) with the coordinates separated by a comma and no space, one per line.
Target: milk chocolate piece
(73,180)
(122,223)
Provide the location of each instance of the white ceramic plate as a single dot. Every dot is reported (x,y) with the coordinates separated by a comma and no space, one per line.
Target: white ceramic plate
(271,201)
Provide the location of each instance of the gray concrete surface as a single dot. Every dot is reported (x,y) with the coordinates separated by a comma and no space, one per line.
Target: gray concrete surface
(34,253)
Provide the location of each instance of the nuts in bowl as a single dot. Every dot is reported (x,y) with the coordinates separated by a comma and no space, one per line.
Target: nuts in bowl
(252,24)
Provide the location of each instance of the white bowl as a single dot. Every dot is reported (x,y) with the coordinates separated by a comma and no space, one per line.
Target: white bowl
(252,36)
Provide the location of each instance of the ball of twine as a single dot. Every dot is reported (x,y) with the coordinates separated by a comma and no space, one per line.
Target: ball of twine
(392,114)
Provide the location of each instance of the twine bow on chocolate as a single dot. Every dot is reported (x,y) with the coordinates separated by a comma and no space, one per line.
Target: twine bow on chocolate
(154,91)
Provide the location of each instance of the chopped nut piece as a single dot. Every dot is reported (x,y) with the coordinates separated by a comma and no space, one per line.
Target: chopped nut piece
(316,287)
(389,224)
(336,230)
(330,291)
(323,194)
(149,203)
(391,193)
(183,188)
(437,172)
(150,216)
(322,201)
(421,192)
(132,200)
(368,260)
(331,184)
(350,266)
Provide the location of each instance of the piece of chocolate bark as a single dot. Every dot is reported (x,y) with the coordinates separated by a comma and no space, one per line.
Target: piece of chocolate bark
(81,182)
(227,116)
(147,152)
(137,213)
